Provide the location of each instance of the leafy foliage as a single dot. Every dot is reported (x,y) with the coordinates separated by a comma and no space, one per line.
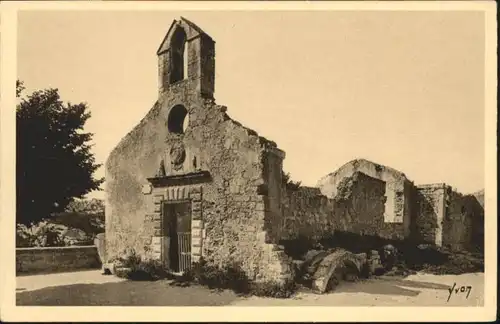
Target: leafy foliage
(78,226)
(88,223)
(45,234)
(231,276)
(289,183)
(133,267)
(54,159)
(83,214)
(87,206)
(274,289)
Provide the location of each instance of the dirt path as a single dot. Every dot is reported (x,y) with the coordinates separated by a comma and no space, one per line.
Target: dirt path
(415,290)
(34,282)
(93,288)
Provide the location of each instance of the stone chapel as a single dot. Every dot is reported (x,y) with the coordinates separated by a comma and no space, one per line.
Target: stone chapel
(189,182)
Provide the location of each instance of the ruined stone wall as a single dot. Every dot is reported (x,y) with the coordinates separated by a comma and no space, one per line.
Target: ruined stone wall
(272,189)
(394,180)
(409,206)
(306,213)
(463,222)
(428,214)
(358,207)
(239,199)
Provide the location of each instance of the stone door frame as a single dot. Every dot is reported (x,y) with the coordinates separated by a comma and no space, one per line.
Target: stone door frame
(177,194)
(182,249)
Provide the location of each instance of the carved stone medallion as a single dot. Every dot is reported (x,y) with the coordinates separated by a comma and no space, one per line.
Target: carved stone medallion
(177,156)
(147,189)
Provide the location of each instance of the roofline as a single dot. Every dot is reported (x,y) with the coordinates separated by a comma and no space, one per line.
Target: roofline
(175,21)
(371,162)
(188,22)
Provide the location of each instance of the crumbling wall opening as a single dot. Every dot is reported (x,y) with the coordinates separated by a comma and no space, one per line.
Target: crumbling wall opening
(178,47)
(178,119)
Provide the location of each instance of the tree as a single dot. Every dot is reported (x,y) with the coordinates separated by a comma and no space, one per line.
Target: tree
(289,183)
(92,206)
(54,159)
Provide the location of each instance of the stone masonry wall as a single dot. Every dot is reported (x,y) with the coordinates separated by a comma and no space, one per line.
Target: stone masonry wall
(306,213)
(272,190)
(409,206)
(56,259)
(463,222)
(394,180)
(233,209)
(428,214)
(358,207)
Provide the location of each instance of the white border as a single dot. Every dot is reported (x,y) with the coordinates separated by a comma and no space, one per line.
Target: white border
(9,312)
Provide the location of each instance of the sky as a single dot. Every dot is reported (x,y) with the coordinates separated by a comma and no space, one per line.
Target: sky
(400,88)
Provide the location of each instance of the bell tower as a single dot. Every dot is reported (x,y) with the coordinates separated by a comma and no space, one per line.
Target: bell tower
(186,58)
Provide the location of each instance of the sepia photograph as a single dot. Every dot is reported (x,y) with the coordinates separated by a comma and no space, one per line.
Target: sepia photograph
(289,156)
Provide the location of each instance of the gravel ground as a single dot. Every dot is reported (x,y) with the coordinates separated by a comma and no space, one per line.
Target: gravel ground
(91,288)
(415,290)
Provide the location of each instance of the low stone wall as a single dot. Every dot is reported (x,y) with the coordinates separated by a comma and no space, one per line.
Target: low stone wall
(56,259)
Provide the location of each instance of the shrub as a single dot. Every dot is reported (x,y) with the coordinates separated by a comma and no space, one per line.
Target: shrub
(133,267)
(49,233)
(39,235)
(288,183)
(274,289)
(232,277)
(457,263)
(229,276)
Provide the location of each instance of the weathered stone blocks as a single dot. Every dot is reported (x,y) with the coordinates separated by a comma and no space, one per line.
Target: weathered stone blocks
(158,199)
(196,223)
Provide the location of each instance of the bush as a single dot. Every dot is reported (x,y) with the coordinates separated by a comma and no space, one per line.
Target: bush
(49,233)
(229,276)
(41,234)
(275,289)
(232,277)
(288,183)
(133,267)
(457,263)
